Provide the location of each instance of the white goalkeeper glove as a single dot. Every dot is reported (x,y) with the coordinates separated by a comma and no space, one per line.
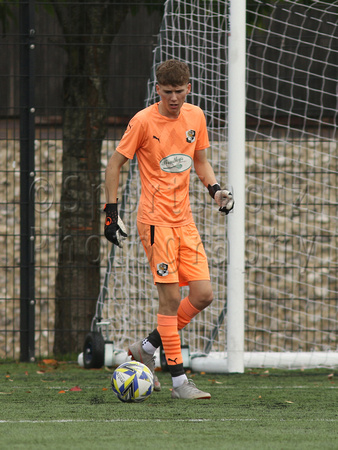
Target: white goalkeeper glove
(114,228)
(222,197)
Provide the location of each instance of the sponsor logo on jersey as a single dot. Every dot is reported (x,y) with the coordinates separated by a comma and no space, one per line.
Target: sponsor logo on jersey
(176,163)
(190,136)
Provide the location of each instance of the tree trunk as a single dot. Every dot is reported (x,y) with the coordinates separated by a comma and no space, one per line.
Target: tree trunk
(88,32)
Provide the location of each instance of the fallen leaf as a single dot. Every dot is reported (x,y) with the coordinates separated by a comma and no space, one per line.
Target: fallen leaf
(214,381)
(62,392)
(40,372)
(75,389)
(287,401)
(105,389)
(50,361)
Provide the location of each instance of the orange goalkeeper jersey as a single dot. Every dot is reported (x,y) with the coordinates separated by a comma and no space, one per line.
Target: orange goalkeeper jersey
(165,151)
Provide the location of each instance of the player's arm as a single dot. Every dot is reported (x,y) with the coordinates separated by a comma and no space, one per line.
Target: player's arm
(114,228)
(112,177)
(206,174)
(203,168)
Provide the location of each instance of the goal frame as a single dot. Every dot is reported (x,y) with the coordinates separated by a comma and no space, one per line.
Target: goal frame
(236,179)
(235,359)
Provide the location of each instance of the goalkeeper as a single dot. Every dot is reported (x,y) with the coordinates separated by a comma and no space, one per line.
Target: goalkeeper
(167,138)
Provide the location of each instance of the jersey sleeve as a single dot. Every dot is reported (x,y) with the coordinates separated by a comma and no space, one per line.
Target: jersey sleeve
(203,139)
(132,138)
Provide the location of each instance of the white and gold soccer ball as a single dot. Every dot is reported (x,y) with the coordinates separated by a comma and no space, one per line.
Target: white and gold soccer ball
(132,381)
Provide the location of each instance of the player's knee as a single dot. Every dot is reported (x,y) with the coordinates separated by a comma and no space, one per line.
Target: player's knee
(205,298)
(209,297)
(201,294)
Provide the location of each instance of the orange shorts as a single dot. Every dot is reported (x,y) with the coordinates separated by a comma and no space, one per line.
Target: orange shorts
(175,254)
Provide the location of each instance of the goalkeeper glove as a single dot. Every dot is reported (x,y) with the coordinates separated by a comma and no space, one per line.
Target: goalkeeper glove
(114,228)
(222,197)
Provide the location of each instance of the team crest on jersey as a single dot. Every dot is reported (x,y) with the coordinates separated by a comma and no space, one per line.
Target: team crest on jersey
(190,136)
(162,269)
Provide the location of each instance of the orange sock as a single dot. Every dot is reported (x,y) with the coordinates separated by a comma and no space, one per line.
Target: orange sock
(185,313)
(171,342)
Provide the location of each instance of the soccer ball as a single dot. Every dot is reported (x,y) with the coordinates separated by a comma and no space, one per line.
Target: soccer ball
(132,381)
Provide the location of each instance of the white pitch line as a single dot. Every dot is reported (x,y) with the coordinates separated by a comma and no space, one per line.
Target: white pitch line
(145,420)
(123,420)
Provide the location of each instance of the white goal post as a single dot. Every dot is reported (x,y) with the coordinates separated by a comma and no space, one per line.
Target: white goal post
(274,261)
(236,180)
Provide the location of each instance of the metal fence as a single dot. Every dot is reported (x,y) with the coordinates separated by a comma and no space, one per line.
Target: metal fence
(66,96)
(43,45)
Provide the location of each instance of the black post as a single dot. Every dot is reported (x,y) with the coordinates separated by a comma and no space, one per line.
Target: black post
(27,176)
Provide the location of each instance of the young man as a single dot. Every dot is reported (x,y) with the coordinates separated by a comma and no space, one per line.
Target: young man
(168,137)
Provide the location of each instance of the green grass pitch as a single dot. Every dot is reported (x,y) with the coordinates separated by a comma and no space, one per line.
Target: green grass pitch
(260,409)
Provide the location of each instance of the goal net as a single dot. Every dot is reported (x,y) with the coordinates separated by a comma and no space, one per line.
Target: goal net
(291,292)
(291,173)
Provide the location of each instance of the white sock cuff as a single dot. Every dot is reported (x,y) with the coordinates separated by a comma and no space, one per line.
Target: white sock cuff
(178,381)
(148,347)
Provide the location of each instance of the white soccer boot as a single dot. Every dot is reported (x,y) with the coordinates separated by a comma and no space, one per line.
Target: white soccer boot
(138,354)
(188,390)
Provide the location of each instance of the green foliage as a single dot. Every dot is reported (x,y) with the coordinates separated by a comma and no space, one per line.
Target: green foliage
(6,14)
(48,6)
(258,410)
(256,11)
(264,7)
(151,6)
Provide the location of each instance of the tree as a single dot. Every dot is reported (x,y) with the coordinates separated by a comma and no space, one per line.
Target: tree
(89,29)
